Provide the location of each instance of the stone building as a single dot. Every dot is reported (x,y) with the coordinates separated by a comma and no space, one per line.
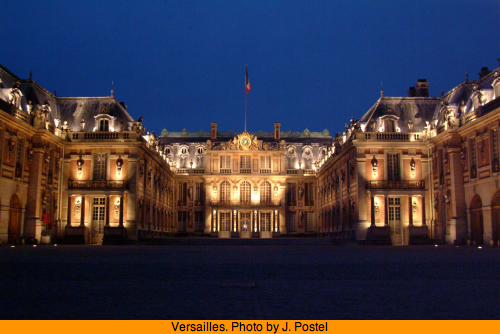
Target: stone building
(413,169)
(417,169)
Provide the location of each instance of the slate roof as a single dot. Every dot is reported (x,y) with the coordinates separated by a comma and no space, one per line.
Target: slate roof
(464,92)
(418,109)
(74,109)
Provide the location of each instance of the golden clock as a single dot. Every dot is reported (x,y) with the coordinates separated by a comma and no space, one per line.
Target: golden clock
(245,142)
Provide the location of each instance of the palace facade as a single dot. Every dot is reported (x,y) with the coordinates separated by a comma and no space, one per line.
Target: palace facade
(411,170)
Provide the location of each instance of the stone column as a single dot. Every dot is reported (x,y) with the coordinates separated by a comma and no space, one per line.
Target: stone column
(212,223)
(235,221)
(458,207)
(120,224)
(372,209)
(216,221)
(108,210)
(82,212)
(278,221)
(424,223)
(258,221)
(33,226)
(68,220)
(410,206)
(386,216)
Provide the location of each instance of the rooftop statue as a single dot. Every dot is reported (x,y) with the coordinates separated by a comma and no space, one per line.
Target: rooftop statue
(15,95)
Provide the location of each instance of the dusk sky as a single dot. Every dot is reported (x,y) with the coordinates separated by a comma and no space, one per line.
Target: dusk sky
(312,64)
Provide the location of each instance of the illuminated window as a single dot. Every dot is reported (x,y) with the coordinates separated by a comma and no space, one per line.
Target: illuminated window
(225,192)
(225,164)
(245,218)
(245,166)
(265,221)
(245,193)
(100,164)
(265,164)
(265,192)
(393,167)
(225,221)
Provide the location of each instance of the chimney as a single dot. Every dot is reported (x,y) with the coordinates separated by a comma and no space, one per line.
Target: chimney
(213,131)
(422,88)
(277,130)
(412,92)
(484,72)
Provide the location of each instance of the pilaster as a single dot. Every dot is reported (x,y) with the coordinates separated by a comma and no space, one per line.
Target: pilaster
(33,227)
(458,221)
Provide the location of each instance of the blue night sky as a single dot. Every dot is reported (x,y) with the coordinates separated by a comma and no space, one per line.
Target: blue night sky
(312,64)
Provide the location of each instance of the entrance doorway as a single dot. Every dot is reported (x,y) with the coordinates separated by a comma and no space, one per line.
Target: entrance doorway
(14,218)
(477,229)
(245,224)
(395,220)
(98,220)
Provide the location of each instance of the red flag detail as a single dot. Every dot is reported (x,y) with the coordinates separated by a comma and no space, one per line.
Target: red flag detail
(247,82)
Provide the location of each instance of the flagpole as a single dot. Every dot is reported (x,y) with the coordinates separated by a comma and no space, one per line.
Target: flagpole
(246,78)
(245,111)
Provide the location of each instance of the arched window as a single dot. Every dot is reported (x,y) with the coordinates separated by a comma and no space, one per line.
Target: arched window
(265,192)
(104,125)
(225,192)
(245,193)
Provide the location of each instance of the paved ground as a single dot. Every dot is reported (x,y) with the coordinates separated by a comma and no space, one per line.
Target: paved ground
(302,280)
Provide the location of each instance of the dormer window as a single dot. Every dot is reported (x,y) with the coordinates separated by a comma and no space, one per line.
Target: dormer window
(390,123)
(104,125)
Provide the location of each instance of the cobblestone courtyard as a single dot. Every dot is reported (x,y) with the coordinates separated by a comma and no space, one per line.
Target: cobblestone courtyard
(306,280)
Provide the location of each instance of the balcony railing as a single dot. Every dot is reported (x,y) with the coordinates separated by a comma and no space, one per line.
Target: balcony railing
(216,204)
(97,185)
(392,136)
(104,136)
(397,185)
(190,171)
